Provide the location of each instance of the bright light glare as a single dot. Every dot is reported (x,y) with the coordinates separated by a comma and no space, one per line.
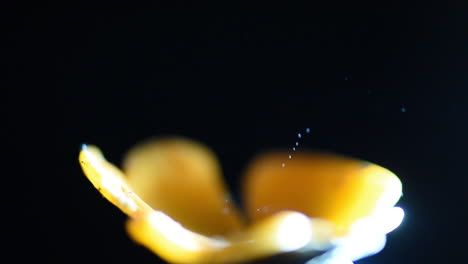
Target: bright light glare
(294,232)
(393,219)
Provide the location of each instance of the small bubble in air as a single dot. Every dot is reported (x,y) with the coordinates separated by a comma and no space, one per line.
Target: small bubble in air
(296,144)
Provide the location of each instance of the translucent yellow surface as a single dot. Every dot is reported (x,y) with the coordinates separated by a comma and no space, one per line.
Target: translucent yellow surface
(180,209)
(283,232)
(339,189)
(182,179)
(111,182)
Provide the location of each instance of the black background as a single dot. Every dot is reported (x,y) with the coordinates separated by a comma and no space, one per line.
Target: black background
(242,82)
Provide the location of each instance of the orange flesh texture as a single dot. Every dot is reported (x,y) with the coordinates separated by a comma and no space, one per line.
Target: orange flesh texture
(338,189)
(182,179)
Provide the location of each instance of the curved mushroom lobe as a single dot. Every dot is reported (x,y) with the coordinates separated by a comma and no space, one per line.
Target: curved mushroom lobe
(339,189)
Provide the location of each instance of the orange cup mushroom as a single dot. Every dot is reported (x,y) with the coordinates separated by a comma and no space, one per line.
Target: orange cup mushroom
(327,206)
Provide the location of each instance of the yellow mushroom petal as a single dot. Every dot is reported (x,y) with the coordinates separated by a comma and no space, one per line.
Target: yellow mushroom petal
(110,182)
(182,179)
(339,189)
(279,233)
